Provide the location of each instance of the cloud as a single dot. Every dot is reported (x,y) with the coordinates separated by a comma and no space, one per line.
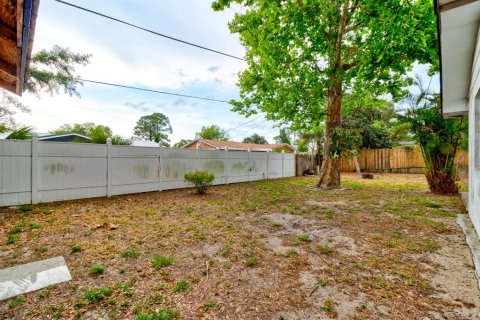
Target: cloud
(213,69)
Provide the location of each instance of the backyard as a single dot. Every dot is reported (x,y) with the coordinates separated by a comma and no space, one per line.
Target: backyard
(277,249)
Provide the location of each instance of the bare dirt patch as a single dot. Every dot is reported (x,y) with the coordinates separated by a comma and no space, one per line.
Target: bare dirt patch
(378,249)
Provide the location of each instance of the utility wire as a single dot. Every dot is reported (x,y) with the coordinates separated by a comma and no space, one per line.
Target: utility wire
(245,132)
(148,30)
(151,90)
(242,124)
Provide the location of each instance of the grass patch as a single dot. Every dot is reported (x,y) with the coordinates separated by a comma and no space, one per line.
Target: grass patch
(325,249)
(130,253)
(97,294)
(251,262)
(15,302)
(162,261)
(96,269)
(12,238)
(162,314)
(76,248)
(181,286)
(304,238)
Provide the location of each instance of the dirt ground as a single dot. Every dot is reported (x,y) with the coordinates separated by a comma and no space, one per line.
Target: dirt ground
(278,249)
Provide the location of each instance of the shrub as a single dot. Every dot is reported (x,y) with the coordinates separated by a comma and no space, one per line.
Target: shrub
(201,180)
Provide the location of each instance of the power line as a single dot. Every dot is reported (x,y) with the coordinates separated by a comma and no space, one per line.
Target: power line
(151,90)
(249,129)
(148,30)
(242,124)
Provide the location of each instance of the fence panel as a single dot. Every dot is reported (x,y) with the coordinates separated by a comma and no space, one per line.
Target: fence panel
(15,172)
(397,160)
(33,171)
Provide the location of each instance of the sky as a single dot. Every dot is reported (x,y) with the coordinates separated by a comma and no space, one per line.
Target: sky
(127,56)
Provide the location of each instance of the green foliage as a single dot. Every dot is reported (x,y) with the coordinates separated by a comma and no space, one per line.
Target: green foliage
(97,133)
(303,56)
(96,269)
(255,138)
(212,132)
(75,248)
(130,253)
(344,142)
(53,70)
(162,314)
(200,179)
(15,302)
(181,143)
(97,294)
(438,138)
(283,136)
(251,262)
(12,238)
(24,133)
(181,286)
(154,127)
(9,106)
(24,208)
(302,146)
(374,120)
(162,261)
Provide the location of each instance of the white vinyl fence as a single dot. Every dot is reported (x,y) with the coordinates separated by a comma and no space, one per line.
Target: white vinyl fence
(38,171)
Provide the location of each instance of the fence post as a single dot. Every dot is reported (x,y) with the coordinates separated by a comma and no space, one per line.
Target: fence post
(283,162)
(109,167)
(160,168)
(34,168)
(268,168)
(249,166)
(225,169)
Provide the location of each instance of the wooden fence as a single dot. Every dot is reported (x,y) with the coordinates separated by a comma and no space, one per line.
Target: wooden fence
(398,160)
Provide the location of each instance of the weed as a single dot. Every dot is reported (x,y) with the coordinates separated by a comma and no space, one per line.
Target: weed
(325,249)
(15,302)
(130,253)
(162,261)
(41,249)
(181,286)
(304,238)
(321,282)
(12,238)
(162,314)
(210,304)
(291,252)
(76,248)
(17,228)
(24,208)
(251,262)
(42,294)
(327,306)
(97,294)
(96,269)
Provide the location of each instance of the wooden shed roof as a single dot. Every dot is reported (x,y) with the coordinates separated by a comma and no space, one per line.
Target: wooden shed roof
(17,26)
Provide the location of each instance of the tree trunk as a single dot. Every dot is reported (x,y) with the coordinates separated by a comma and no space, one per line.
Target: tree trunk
(441,182)
(330,171)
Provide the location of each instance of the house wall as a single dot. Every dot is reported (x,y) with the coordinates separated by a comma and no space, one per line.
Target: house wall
(41,171)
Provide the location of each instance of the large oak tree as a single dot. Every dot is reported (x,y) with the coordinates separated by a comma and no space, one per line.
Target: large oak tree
(303,56)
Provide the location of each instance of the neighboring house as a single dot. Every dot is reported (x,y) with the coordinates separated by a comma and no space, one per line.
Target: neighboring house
(458,27)
(206,144)
(63,137)
(16,39)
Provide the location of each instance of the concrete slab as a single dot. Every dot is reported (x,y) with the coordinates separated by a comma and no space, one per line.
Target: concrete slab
(472,240)
(33,276)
